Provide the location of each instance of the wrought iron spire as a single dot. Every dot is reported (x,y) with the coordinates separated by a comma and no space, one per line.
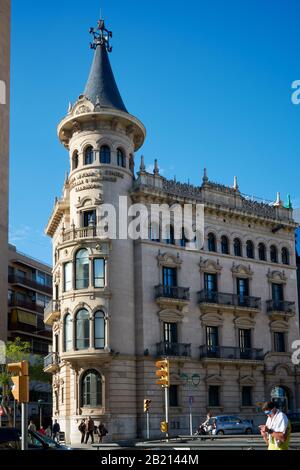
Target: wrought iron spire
(101,87)
(101,36)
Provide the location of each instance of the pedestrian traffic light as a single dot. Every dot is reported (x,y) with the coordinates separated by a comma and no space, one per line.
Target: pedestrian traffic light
(163,373)
(146,405)
(20,380)
(163,426)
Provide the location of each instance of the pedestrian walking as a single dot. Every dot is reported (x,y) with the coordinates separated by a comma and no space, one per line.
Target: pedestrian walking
(56,431)
(89,430)
(102,431)
(31,426)
(276,432)
(82,429)
(42,431)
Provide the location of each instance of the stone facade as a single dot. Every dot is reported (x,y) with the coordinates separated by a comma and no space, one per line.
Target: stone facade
(4,155)
(235,337)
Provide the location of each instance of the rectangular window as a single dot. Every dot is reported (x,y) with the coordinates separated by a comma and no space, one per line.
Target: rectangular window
(67,277)
(277,296)
(173,395)
(245,343)
(279,341)
(42,300)
(99,272)
(213,395)
(41,278)
(246,396)
(89,218)
(212,338)
(242,287)
(210,282)
(170,332)
(170,277)
(20,274)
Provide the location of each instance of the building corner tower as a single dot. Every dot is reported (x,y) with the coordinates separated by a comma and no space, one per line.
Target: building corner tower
(93,311)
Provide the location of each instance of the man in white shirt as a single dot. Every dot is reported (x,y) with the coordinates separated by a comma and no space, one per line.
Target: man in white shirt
(276,431)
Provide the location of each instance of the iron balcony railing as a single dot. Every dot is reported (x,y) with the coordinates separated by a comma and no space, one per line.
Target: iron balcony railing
(172,292)
(222,298)
(51,360)
(228,352)
(27,304)
(52,306)
(32,283)
(165,348)
(283,306)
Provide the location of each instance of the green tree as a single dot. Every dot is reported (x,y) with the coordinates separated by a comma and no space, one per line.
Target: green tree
(17,351)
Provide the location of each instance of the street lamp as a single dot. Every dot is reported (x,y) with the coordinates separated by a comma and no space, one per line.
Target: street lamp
(190,382)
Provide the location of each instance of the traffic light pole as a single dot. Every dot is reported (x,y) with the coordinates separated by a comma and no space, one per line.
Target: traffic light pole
(148,425)
(24,408)
(167,411)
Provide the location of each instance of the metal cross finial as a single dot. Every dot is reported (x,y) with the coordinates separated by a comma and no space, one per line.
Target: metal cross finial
(101,36)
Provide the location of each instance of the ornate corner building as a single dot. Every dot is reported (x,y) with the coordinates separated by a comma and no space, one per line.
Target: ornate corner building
(224,311)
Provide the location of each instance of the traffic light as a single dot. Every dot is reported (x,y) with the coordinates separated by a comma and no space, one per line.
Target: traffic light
(20,380)
(163,426)
(146,405)
(163,373)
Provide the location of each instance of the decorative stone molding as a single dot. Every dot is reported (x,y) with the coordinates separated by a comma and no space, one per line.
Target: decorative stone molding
(241,270)
(247,380)
(214,379)
(167,315)
(169,260)
(279,325)
(87,201)
(244,322)
(277,276)
(210,319)
(209,265)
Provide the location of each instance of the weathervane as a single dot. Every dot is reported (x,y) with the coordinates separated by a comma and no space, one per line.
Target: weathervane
(101,36)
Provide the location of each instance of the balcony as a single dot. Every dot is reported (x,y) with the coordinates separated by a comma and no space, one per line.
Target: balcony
(173,349)
(26,304)
(27,282)
(78,233)
(280,308)
(51,362)
(52,312)
(172,296)
(211,300)
(231,353)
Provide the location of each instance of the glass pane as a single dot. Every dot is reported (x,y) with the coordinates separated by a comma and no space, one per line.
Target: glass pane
(99,272)
(82,330)
(67,277)
(82,269)
(68,333)
(99,330)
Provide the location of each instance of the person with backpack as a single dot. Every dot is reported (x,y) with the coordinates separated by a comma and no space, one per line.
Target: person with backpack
(277,430)
(82,429)
(102,431)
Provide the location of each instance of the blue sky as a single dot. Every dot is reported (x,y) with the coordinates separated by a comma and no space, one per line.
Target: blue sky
(211,81)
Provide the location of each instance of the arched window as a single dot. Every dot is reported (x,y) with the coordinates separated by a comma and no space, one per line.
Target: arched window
(262,252)
(250,249)
(91,389)
(75,160)
(68,333)
(237,246)
(170,240)
(82,329)
(121,158)
(285,256)
(224,245)
(273,254)
(99,332)
(88,155)
(105,154)
(211,242)
(82,269)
